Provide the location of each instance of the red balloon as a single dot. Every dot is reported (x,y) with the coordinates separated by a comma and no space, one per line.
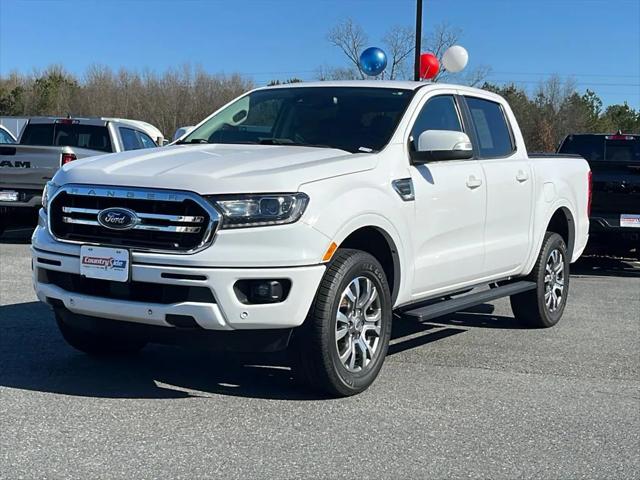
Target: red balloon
(429,66)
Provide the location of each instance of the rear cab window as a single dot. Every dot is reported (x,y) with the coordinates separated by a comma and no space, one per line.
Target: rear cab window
(618,148)
(491,128)
(92,137)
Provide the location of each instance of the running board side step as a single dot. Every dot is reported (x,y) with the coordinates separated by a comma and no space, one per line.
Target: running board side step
(445,307)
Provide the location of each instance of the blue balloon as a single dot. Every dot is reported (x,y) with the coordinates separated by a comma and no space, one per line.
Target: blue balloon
(373,61)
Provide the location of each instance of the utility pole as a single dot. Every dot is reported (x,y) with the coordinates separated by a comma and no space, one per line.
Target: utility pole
(416,67)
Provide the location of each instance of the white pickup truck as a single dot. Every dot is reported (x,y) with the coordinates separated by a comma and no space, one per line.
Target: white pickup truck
(47,143)
(305,216)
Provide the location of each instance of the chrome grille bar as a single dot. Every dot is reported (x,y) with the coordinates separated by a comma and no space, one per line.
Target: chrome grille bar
(143,215)
(153,228)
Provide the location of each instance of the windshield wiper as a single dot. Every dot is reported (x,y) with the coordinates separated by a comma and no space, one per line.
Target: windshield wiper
(286,141)
(192,141)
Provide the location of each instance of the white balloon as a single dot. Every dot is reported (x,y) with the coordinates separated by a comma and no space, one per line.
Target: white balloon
(455,59)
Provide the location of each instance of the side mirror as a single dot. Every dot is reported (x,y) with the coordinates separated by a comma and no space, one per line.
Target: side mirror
(182,131)
(442,145)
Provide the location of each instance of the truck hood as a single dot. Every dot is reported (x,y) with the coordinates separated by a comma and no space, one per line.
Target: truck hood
(212,169)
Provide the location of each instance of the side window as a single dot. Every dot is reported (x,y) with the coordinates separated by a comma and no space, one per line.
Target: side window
(491,128)
(5,138)
(439,113)
(145,140)
(130,140)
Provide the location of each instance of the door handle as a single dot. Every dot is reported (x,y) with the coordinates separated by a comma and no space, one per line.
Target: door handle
(522,176)
(473,182)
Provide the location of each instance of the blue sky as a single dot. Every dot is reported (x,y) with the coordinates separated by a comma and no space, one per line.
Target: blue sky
(595,41)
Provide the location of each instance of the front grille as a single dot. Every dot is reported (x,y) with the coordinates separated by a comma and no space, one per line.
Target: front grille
(133,291)
(167,221)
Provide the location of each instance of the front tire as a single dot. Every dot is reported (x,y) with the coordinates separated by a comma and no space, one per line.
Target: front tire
(342,345)
(543,307)
(95,343)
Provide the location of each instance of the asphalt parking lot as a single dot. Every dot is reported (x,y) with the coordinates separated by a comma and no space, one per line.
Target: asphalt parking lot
(472,395)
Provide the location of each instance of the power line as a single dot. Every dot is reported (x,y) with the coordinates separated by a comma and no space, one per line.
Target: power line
(594,84)
(569,74)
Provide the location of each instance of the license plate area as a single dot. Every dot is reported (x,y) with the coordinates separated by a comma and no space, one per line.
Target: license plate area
(627,220)
(105,263)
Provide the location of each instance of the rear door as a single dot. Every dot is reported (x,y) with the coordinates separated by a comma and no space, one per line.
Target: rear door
(509,186)
(615,165)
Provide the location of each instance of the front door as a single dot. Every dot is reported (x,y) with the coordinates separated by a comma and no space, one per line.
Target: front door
(450,210)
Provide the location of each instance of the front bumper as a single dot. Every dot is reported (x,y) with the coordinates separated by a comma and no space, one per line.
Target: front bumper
(226,313)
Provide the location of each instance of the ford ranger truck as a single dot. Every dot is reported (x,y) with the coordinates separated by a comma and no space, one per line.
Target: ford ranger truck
(615,209)
(46,143)
(304,217)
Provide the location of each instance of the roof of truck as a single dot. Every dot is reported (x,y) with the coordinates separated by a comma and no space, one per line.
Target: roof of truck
(395,84)
(403,84)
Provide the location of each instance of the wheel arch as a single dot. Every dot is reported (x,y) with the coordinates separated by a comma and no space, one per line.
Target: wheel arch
(563,223)
(376,241)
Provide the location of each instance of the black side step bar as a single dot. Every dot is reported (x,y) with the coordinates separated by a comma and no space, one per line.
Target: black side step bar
(453,305)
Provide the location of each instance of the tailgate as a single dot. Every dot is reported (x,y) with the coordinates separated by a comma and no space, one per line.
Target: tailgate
(616,188)
(28,167)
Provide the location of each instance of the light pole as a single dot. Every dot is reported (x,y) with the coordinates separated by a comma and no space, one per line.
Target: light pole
(416,65)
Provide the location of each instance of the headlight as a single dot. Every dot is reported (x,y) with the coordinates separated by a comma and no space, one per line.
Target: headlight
(260,210)
(49,191)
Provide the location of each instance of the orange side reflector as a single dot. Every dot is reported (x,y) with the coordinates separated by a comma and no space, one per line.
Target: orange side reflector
(330,251)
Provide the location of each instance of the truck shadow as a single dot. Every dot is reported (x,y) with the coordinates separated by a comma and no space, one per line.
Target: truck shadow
(20,236)
(605,267)
(33,356)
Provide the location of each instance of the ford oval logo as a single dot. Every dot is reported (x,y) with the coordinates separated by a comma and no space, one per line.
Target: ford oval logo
(118,218)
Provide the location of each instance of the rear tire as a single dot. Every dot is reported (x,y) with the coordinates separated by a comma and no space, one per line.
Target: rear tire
(93,343)
(342,345)
(543,307)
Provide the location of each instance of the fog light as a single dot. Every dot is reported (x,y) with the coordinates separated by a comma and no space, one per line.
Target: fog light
(259,291)
(266,291)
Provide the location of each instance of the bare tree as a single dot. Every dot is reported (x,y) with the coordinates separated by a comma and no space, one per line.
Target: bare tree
(177,97)
(441,38)
(477,76)
(351,39)
(337,73)
(400,44)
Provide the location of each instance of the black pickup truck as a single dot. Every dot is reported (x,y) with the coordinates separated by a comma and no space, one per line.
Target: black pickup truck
(615,208)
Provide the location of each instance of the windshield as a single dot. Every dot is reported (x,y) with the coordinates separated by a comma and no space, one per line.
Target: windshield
(354,119)
(604,148)
(91,137)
